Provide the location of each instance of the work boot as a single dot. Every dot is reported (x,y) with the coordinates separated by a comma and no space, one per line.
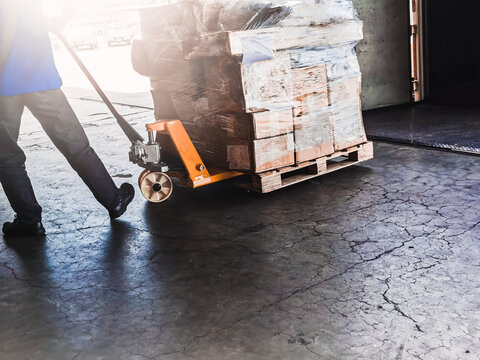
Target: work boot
(20,228)
(127,193)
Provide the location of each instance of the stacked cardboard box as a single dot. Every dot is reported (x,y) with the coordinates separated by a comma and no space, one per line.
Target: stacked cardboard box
(258,86)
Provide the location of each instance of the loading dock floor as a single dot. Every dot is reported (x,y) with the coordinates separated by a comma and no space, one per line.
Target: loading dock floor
(448,121)
(379,261)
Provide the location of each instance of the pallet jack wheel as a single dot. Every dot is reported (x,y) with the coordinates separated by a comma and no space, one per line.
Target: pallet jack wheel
(156,187)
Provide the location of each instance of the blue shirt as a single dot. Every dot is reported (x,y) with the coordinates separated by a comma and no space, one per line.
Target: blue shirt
(30,66)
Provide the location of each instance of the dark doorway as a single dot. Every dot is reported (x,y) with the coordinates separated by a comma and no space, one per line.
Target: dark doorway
(452,54)
(449,117)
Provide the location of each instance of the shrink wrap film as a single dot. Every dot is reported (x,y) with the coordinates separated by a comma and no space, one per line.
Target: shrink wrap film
(258,85)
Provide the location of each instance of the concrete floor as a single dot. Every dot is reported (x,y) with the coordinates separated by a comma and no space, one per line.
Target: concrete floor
(379,261)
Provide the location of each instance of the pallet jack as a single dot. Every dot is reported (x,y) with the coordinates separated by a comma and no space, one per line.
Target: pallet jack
(155,181)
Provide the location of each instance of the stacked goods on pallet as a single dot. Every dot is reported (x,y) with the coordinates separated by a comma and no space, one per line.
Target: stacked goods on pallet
(257,86)
(334,120)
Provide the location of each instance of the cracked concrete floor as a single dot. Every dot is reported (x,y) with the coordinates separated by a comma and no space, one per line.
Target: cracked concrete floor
(379,261)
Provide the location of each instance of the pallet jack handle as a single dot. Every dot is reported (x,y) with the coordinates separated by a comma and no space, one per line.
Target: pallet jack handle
(128,129)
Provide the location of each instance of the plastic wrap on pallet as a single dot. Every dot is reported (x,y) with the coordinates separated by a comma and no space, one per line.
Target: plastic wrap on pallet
(262,85)
(182,19)
(257,48)
(230,43)
(314,135)
(222,85)
(292,13)
(258,85)
(251,126)
(340,61)
(274,153)
(343,80)
(344,96)
(310,90)
(254,156)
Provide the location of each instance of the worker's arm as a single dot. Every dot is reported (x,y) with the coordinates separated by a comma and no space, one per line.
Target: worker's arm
(68,10)
(10,13)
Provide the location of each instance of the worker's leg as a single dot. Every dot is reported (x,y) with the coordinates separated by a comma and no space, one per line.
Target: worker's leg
(13,176)
(61,124)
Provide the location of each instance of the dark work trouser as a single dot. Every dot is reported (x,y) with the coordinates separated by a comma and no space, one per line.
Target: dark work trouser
(57,118)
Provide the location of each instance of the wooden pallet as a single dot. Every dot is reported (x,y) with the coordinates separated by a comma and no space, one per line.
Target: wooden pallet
(284,177)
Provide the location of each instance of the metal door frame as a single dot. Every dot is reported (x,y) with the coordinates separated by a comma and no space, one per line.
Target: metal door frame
(417,50)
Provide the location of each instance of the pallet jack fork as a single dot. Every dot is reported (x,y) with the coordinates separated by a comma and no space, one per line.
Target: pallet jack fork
(155,181)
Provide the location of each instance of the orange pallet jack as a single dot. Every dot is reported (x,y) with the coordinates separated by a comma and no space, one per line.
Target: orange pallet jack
(155,181)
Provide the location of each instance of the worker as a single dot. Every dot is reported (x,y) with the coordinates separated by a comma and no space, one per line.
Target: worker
(29,79)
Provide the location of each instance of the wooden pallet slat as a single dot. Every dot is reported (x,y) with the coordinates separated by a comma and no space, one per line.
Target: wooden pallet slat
(288,176)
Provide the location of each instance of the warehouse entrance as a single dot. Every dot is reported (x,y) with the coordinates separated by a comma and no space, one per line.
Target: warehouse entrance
(444,111)
(451,52)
